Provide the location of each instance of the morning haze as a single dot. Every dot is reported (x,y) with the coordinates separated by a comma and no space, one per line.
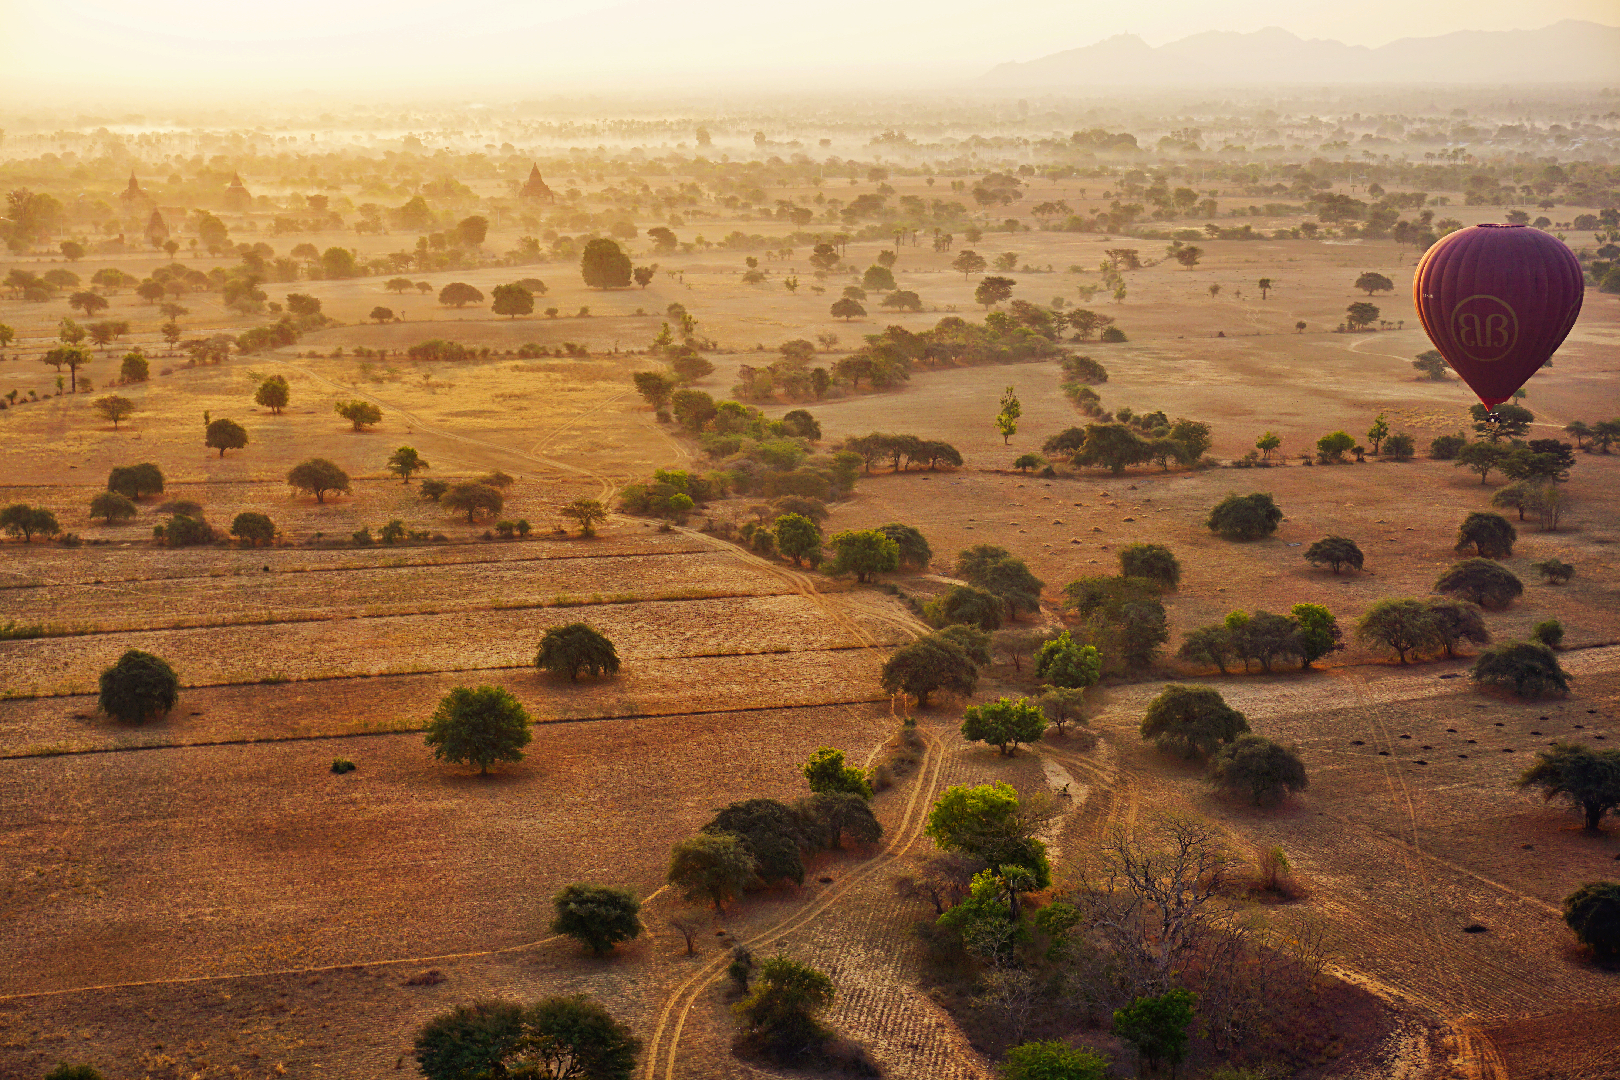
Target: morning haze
(612,540)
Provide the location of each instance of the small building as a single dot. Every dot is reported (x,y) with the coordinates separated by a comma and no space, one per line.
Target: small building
(133,198)
(536,188)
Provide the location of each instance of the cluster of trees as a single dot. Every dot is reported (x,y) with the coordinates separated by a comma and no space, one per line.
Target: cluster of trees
(554,1038)
(1331,448)
(900,451)
(1123,616)
(1307,633)
(1124,438)
(1195,722)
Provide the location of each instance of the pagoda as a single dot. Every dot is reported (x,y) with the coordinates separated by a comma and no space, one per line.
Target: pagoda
(133,197)
(536,188)
(237,199)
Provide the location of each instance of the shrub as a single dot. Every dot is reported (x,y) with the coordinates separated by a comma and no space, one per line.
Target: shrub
(1256,766)
(1530,669)
(1004,724)
(1153,562)
(1480,581)
(1245,517)
(479,727)
(138,687)
(1491,535)
(342,765)
(112,506)
(253,528)
(434,490)
(1157,1026)
(710,867)
(783,1008)
(1593,912)
(185,531)
(1549,632)
(1554,571)
(1335,551)
(1111,335)
(1331,448)
(1446,447)
(1054,1060)
(596,916)
(1192,721)
(827,772)
(574,648)
(73,1072)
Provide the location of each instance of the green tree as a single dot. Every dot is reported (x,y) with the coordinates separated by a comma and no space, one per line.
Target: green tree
(1026,462)
(710,866)
(381,314)
(847,309)
(1432,365)
(1403,625)
(798,538)
(1480,581)
(1378,433)
(1256,766)
(512,301)
(317,476)
(1481,457)
(20,519)
(1554,571)
(273,393)
(1456,621)
(1506,421)
(604,265)
(1209,645)
(992,291)
(253,528)
(112,507)
(965,605)
(472,1041)
(479,727)
(568,650)
(1361,314)
(1589,779)
(1113,445)
(1192,721)
(596,916)
(1318,632)
(473,498)
(1335,551)
(573,1037)
(827,773)
(1007,418)
(878,279)
(783,1007)
(587,514)
(362,414)
(929,664)
(1371,283)
(72,357)
(1267,444)
(405,462)
(223,435)
(1004,723)
(1548,632)
(134,368)
(655,387)
(1245,517)
(968,263)
(459,294)
(1052,1060)
(914,552)
(1490,535)
(1529,669)
(1331,448)
(1157,1026)
(841,813)
(134,481)
(115,408)
(864,553)
(1005,577)
(1401,446)
(988,822)
(1063,662)
(1151,562)
(138,687)
(1593,912)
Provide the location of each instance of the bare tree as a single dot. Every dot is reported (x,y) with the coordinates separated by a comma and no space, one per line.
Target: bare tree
(687,922)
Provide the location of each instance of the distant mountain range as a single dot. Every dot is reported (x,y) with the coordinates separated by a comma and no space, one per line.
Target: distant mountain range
(1566,52)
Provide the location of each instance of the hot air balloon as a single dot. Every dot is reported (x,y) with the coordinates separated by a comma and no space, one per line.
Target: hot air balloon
(1497,301)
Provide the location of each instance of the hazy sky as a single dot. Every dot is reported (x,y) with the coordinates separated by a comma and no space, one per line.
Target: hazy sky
(81,48)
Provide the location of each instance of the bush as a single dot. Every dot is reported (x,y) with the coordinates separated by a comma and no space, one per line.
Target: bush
(1446,447)
(1480,581)
(1192,721)
(342,765)
(1554,571)
(1258,767)
(1004,724)
(782,1010)
(827,772)
(596,916)
(1593,912)
(185,531)
(1549,633)
(138,687)
(253,528)
(1111,335)
(434,490)
(1157,1026)
(1530,669)
(73,1072)
(1153,562)
(1054,1060)
(1245,517)
(479,727)
(574,648)
(1491,535)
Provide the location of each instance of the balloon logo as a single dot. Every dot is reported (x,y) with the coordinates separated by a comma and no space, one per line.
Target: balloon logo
(1497,301)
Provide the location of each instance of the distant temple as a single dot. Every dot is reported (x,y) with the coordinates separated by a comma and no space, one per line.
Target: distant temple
(133,197)
(237,199)
(536,188)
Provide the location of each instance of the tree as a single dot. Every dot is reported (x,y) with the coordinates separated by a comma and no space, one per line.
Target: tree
(1506,421)
(1004,723)
(1153,562)
(1360,314)
(1456,621)
(1481,457)
(20,519)
(568,650)
(841,813)
(644,275)
(1007,418)
(1589,779)
(1157,1026)
(1317,632)
(1064,663)
(381,314)
(847,309)
(1336,551)
(1432,365)
(1209,645)
(1593,912)
(1554,571)
(472,230)
(1192,721)
(827,773)
(1025,462)
(573,1037)
(138,687)
(88,302)
(863,552)
(1480,581)
(968,263)
(710,866)
(1401,446)
(253,528)
(1402,625)
(965,605)
(914,552)
(459,294)
(134,368)
(988,822)
(472,498)
(1052,1060)
(473,1040)
(1548,632)
(655,388)
(512,300)
(1267,444)
(1265,285)
(72,357)
(1113,445)
(405,462)
(1258,767)
(1189,255)
(114,408)
(900,299)
(596,915)
(1378,433)
(798,538)
(112,507)
(317,476)
(361,414)
(587,514)
(479,727)
(1331,448)
(1371,283)
(878,279)
(1529,668)
(223,435)
(929,664)
(133,481)
(273,394)
(782,1009)
(604,265)
(1245,517)
(992,291)
(1490,535)
(398,285)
